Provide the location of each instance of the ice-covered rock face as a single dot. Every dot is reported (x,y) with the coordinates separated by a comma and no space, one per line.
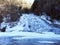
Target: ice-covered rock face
(33,23)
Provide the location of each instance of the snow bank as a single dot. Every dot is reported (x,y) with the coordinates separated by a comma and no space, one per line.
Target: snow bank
(27,27)
(16,28)
(47,42)
(34,23)
(30,35)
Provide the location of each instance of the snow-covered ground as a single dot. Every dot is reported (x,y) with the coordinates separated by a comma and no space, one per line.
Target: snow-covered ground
(32,23)
(31,35)
(31,26)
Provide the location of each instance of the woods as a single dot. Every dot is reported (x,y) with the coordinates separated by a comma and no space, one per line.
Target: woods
(8,9)
(14,8)
(50,7)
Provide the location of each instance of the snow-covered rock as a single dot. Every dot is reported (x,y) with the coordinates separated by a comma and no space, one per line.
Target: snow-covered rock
(31,23)
(27,27)
(34,23)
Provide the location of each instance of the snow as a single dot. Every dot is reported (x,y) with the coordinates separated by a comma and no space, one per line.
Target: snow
(57,22)
(44,18)
(47,42)
(34,23)
(29,27)
(30,35)
(31,23)
(15,28)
